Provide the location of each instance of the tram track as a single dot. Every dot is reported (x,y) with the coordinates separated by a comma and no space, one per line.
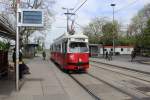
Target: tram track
(91,92)
(130,94)
(116,66)
(85,88)
(79,83)
(140,95)
(135,95)
(108,84)
(126,72)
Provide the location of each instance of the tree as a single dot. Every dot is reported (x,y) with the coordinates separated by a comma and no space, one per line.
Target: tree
(139,29)
(40,41)
(46,5)
(25,33)
(139,21)
(125,40)
(145,37)
(101,30)
(110,32)
(4,45)
(95,26)
(94,29)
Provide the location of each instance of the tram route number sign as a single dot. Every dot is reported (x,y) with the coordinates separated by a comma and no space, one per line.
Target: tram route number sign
(31,17)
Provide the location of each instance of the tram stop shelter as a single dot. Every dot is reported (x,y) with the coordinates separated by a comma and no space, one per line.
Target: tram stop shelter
(30,50)
(7,80)
(94,50)
(6,29)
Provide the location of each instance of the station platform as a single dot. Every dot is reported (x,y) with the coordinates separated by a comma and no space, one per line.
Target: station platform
(125,61)
(46,82)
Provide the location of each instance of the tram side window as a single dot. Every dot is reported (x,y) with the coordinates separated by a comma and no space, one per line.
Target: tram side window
(55,48)
(64,47)
(51,48)
(59,48)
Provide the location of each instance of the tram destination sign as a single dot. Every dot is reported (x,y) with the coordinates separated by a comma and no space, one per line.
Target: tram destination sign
(79,39)
(31,17)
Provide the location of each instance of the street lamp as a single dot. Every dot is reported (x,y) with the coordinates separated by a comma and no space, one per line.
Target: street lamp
(113,6)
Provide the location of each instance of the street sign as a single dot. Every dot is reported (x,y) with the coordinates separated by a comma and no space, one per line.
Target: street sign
(31,17)
(26,18)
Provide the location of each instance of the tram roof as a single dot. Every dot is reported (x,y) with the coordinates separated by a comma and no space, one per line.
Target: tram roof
(66,35)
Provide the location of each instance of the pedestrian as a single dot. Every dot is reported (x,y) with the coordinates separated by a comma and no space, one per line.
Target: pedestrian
(133,55)
(23,68)
(14,56)
(44,55)
(106,55)
(110,55)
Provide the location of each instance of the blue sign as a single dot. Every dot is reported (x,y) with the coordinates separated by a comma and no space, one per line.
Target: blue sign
(32,17)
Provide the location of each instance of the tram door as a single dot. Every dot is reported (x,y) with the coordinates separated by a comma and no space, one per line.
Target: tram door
(64,52)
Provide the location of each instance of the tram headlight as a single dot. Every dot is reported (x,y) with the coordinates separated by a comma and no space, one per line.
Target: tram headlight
(71,57)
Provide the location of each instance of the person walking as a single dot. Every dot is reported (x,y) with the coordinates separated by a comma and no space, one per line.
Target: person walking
(44,55)
(110,55)
(14,56)
(23,68)
(106,55)
(133,55)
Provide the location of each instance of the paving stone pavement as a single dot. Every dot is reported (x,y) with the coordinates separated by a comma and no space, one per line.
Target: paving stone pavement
(124,61)
(42,84)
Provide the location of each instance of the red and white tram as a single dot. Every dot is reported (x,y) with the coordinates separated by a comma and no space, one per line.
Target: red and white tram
(71,52)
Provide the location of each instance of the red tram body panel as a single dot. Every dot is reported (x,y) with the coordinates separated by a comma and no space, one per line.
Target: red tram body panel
(71,52)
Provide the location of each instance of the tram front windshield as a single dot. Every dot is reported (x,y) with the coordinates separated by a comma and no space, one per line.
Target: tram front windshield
(77,47)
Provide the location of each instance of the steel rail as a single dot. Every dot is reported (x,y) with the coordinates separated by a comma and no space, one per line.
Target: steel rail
(116,66)
(119,89)
(86,89)
(122,73)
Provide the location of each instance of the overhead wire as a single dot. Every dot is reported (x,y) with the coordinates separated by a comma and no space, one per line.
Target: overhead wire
(76,4)
(80,6)
(77,10)
(132,3)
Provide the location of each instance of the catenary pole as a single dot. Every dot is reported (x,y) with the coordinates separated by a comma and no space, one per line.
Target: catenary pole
(113,5)
(17,47)
(68,17)
(67,20)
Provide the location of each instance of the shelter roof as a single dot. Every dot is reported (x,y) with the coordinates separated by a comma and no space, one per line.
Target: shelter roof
(6,30)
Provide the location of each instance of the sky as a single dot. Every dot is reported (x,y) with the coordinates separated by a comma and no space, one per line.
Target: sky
(126,9)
